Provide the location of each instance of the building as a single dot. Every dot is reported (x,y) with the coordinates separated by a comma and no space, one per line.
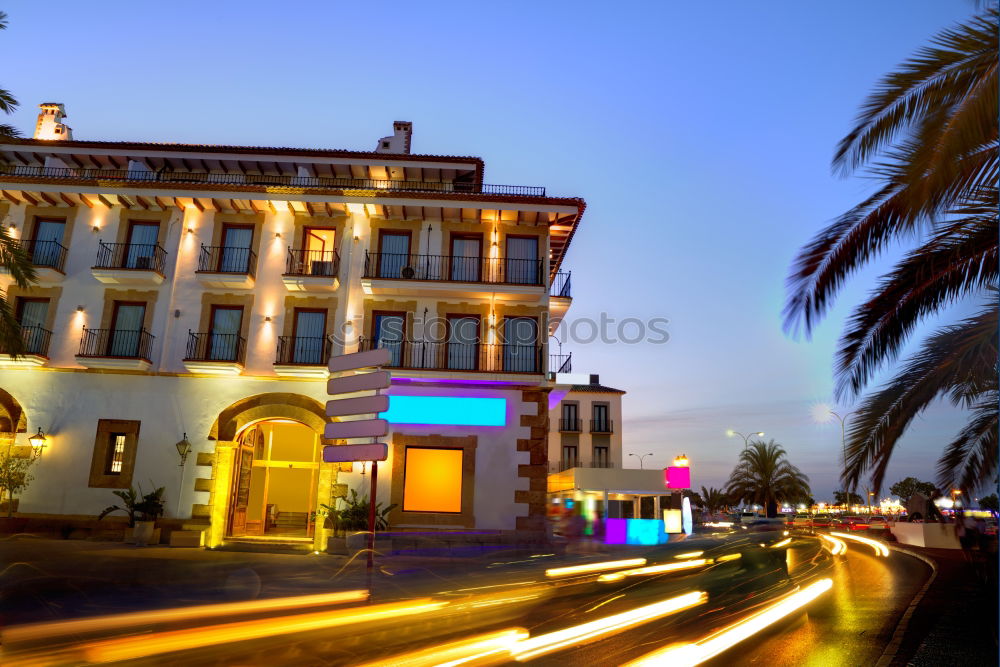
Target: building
(586,466)
(194,293)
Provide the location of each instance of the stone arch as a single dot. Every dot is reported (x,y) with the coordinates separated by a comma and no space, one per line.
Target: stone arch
(12,417)
(245,411)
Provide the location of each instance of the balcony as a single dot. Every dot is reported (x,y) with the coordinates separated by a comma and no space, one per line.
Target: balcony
(571,425)
(311,270)
(36,349)
(303,356)
(561,363)
(48,258)
(227,267)
(129,263)
(560,299)
(562,466)
(115,349)
(462,357)
(505,279)
(601,426)
(215,353)
(223,180)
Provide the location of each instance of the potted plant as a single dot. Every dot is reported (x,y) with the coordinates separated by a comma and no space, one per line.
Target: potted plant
(15,476)
(350,523)
(142,510)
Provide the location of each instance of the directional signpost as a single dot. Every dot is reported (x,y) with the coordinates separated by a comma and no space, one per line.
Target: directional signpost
(352,381)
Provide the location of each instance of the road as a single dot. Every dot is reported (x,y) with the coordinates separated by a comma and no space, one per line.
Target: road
(677,593)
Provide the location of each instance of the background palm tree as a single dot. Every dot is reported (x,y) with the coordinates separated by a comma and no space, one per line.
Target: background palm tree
(714,499)
(12,256)
(765,477)
(928,134)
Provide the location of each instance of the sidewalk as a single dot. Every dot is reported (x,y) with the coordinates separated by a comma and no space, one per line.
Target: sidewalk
(956,621)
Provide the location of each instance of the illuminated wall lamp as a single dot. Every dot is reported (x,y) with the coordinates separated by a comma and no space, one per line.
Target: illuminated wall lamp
(80,309)
(38,442)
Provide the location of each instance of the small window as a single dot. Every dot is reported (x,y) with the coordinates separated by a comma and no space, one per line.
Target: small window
(432,480)
(116,454)
(385,144)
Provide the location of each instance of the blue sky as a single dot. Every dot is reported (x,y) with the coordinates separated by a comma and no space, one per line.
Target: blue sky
(700,135)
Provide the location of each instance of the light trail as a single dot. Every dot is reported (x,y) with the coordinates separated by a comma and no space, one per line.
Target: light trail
(783,543)
(836,546)
(527,649)
(689,554)
(594,567)
(142,646)
(654,569)
(34,631)
(687,655)
(478,648)
(728,557)
(880,549)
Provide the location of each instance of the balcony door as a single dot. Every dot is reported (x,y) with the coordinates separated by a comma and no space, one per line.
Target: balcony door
(522,260)
(394,254)
(463,342)
(49,234)
(309,336)
(520,345)
(602,424)
(224,335)
(126,329)
(319,247)
(466,257)
(570,416)
(389,330)
(33,314)
(602,457)
(236,243)
(570,457)
(141,249)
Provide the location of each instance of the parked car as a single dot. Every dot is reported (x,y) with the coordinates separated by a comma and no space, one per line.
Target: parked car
(822,521)
(878,522)
(802,520)
(746,518)
(991,526)
(854,523)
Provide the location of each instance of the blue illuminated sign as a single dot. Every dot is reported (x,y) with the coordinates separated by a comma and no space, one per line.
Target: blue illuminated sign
(447,410)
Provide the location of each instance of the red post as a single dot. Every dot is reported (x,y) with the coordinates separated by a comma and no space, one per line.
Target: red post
(371,517)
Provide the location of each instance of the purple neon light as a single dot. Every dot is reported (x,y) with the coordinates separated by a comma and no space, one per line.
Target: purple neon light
(616,531)
(484,383)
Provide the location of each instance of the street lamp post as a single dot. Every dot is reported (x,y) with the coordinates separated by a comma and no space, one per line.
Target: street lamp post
(641,457)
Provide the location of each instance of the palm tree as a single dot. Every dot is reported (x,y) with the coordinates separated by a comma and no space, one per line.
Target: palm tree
(765,477)
(7,102)
(929,135)
(12,255)
(714,499)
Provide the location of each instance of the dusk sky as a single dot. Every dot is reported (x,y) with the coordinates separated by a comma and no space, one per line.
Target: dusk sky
(700,135)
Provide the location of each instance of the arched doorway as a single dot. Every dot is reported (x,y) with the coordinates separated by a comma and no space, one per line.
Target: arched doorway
(275,480)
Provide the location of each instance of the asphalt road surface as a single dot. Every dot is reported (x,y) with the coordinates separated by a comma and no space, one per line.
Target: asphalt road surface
(847,625)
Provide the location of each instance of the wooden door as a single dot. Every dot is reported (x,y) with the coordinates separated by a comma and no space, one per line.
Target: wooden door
(239,495)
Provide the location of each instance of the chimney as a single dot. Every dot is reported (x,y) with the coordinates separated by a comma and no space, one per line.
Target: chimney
(399,142)
(595,378)
(50,126)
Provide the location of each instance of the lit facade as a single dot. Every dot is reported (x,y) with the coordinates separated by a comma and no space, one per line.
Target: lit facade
(201,290)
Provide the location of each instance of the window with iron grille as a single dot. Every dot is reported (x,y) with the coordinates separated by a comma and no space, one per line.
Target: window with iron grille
(116,454)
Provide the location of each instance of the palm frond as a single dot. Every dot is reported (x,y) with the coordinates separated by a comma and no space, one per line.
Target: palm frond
(958,362)
(971,458)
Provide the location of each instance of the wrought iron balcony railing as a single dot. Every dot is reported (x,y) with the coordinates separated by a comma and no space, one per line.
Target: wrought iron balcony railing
(224,259)
(601,426)
(561,285)
(304,350)
(497,270)
(36,341)
(568,464)
(302,262)
(136,256)
(453,356)
(265,179)
(571,425)
(210,346)
(51,254)
(561,363)
(116,343)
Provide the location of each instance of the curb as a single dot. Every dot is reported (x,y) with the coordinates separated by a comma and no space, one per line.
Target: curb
(892,648)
